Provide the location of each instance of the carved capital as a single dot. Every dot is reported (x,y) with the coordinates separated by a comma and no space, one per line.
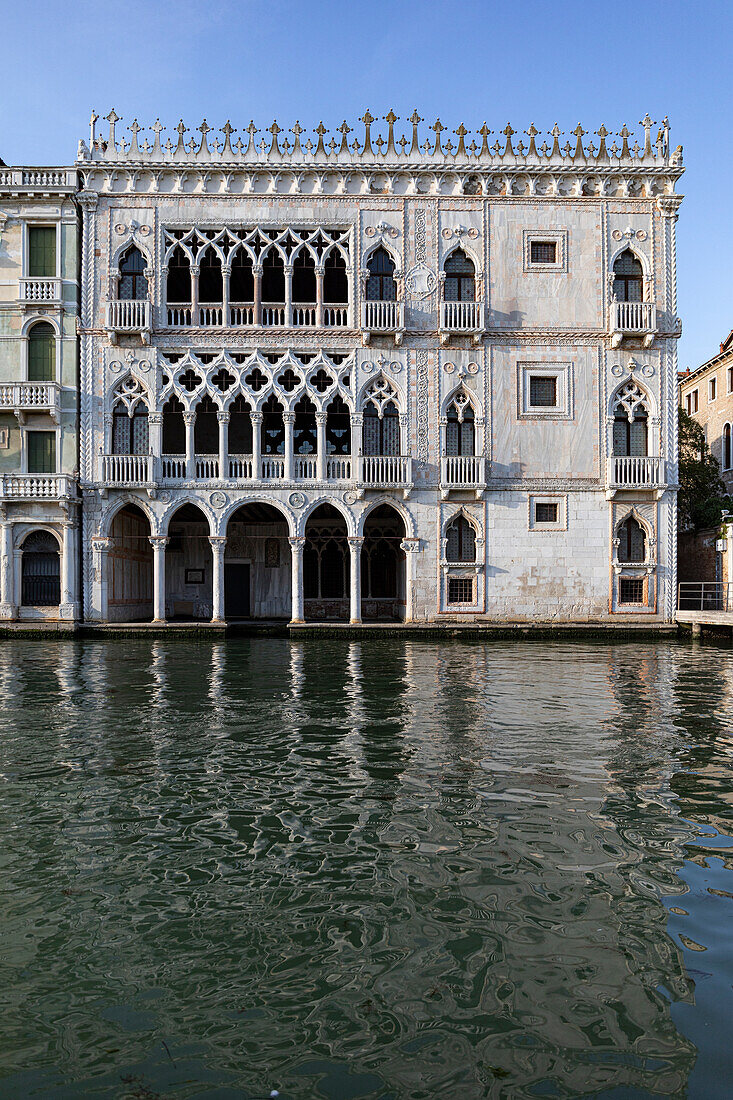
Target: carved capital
(297,544)
(356,541)
(158,542)
(411,546)
(223,416)
(218,543)
(189,417)
(101,545)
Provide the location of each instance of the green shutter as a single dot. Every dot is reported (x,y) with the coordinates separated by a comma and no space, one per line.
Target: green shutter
(42,252)
(41,354)
(41,452)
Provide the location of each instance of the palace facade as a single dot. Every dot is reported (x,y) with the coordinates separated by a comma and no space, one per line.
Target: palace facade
(371,379)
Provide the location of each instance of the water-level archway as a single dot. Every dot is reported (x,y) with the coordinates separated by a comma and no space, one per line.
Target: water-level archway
(257,568)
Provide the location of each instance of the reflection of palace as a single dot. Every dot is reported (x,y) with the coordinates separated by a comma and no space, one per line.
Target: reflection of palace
(363,380)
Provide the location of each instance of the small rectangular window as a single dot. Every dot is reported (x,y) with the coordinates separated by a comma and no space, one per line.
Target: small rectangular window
(543,252)
(460,589)
(712,389)
(695,400)
(542,391)
(41,452)
(546,512)
(730,379)
(41,251)
(631,590)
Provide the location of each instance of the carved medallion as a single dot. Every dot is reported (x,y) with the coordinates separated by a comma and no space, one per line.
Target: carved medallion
(218,499)
(420,281)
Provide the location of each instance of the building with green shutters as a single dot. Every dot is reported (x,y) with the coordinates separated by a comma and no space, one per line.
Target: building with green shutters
(39,289)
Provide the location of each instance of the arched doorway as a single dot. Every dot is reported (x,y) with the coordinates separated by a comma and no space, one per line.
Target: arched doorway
(41,571)
(188,566)
(257,564)
(130,568)
(326,566)
(383,566)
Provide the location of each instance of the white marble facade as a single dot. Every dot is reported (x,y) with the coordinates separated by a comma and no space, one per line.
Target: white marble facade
(199,521)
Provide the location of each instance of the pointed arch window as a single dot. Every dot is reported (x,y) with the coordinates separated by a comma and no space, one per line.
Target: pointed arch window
(304,427)
(211,283)
(630,422)
(304,278)
(273,277)
(460,431)
(381,285)
(132,284)
(273,428)
(240,427)
(130,430)
(41,353)
(461,540)
(628,278)
(174,428)
(338,428)
(241,280)
(178,283)
(381,429)
(206,427)
(460,278)
(335,281)
(632,541)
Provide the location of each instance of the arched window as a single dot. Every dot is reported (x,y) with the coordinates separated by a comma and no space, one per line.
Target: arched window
(628,281)
(304,428)
(273,278)
(241,280)
(335,282)
(461,540)
(41,353)
(211,285)
(273,428)
(178,283)
(630,422)
(174,428)
(240,427)
(206,428)
(460,434)
(460,278)
(304,278)
(338,428)
(41,585)
(381,286)
(726,448)
(132,283)
(130,430)
(632,541)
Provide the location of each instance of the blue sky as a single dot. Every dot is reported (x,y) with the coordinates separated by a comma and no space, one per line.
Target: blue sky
(464,60)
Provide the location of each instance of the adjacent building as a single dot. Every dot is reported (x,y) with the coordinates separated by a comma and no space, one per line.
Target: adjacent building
(706,394)
(39,502)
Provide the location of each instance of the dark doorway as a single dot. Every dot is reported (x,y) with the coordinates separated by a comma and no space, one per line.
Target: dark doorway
(236,590)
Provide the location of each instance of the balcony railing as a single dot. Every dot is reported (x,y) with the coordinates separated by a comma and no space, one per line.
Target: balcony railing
(31,397)
(385,471)
(126,469)
(207,467)
(633,319)
(242,315)
(338,468)
(35,292)
(462,317)
(463,471)
(304,316)
(173,467)
(705,596)
(383,317)
(635,471)
(132,315)
(36,486)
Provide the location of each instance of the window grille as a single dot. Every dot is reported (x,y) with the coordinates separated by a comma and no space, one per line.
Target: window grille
(381,286)
(628,282)
(460,436)
(130,433)
(133,284)
(42,252)
(460,278)
(631,590)
(629,438)
(41,585)
(542,391)
(460,590)
(546,512)
(381,435)
(543,252)
(461,540)
(632,541)
(41,353)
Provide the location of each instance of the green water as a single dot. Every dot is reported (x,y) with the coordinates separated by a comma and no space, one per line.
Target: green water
(386,869)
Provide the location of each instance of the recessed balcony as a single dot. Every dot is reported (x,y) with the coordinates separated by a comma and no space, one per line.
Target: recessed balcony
(459,472)
(461,319)
(635,472)
(245,315)
(129,316)
(633,319)
(40,292)
(37,486)
(31,397)
(383,318)
(385,472)
(121,470)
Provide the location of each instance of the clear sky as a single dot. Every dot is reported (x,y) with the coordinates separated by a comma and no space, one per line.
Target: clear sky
(466,61)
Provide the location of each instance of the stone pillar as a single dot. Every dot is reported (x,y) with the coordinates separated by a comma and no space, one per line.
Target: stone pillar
(223,417)
(319,296)
(289,420)
(257,276)
(297,545)
(189,419)
(100,550)
(69,603)
(226,272)
(8,608)
(218,546)
(321,446)
(411,548)
(195,294)
(155,444)
(158,543)
(18,576)
(357,421)
(288,295)
(256,418)
(355,545)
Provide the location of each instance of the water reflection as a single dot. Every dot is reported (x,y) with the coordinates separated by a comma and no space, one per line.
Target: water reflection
(365,869)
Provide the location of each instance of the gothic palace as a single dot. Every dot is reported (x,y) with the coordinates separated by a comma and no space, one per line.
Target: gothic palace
(356,379)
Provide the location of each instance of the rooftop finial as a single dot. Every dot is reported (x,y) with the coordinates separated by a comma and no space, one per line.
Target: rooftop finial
(415,120)
(92,128)
(344,129)
(647,123)
(438,127)
(460,134)
(321,131)
(508,133)
(111,118)
(390,118)
(274,130)
(578,134)
(227,130)
(532,134)
(367,119)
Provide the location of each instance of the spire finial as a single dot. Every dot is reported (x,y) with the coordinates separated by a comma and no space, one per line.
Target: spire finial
(602,133)
(320,130)
(251,130)
(415,120)
(647,123)
(438,127)
(344,129)
(556,132)
(297,130)
(390,118)
(111,118)
(180,147)
(92,128)
(578,134)
(485,131)
(274,130)
(624,133)
(532,134)
(461,134)
(227,130)
(508,132)
(367,119)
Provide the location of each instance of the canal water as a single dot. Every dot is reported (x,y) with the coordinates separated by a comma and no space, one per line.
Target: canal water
(384,869)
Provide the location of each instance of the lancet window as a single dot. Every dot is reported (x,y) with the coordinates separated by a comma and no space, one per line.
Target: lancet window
(630,421)
(461,540)
(178,285)
(132,284)
(273,428)
(130,419)
(338,428)
(381,431)
(628,278)
(632,541)
(381,286)
(460,278)
(240,427)
(211,284)
(206,428)
(304,428)
(460,431)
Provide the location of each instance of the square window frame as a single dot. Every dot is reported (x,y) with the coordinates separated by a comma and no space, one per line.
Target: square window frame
(560,499)
(543,236)
(463,578)
(45,222)
(712,386)
(563,373)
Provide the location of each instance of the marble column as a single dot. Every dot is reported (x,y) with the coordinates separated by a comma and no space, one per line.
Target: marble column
(256,418)
(257,276)
(355,545)
(100,551)
(218,546)
(226,273)
(195,269)
(189,419)
(223,417)
(7,593)
(288,295)
(411,548)
(155,444)
(158,543)
(297,545)
(69,603)
(289,421)
(319,296)
(357,422)
(321,446)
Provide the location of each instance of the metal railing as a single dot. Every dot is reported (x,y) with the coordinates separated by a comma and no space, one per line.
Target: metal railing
(383,316)
(126,469)
(36,486)
(634,316)
(704,596)
(385,471)
(131,315)
(462,470)
(40,290)
(462,316)
(635,471)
